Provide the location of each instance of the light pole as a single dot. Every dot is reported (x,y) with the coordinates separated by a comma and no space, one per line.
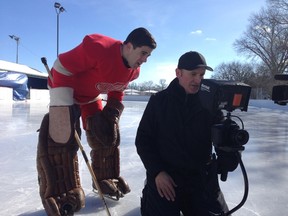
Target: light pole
(58,9)
(17,42)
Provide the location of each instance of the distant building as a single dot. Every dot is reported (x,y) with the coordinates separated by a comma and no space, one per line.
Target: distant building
(136,92)
(21,79)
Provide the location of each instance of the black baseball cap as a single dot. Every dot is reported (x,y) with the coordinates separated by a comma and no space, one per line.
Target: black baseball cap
(192,60)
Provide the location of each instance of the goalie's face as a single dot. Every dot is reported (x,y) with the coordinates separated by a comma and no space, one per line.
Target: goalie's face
(135,57)
(190,80)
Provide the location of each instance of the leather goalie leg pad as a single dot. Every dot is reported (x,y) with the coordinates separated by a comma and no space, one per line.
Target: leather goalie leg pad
(106,162)
(106,166)
(58,174)
(66,204)
(61,127)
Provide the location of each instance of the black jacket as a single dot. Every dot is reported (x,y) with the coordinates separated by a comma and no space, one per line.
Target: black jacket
(174,134)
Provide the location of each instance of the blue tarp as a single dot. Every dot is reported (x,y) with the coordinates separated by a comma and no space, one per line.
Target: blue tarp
(17,81)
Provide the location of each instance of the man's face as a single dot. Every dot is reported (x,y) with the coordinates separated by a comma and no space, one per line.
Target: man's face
(190,79)
(135,57)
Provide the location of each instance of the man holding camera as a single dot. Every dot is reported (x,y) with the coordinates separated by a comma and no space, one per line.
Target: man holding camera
(174,143)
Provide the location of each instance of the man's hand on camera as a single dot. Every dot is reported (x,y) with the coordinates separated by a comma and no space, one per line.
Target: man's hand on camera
(226,162)
(165,186)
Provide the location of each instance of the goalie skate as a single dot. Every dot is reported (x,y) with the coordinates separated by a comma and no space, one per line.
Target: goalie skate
(113,188)
(114,197)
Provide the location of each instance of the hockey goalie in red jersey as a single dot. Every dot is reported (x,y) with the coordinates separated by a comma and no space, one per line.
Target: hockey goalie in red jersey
(98,65)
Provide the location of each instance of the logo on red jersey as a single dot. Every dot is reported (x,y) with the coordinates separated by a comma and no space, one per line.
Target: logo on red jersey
(108,87)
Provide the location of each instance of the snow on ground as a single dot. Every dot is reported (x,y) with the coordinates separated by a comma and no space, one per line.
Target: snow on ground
(265,159)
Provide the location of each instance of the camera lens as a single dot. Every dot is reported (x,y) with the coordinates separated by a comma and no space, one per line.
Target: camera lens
(240,137)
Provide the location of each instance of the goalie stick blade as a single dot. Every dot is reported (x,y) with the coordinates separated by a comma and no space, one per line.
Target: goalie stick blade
(111,197)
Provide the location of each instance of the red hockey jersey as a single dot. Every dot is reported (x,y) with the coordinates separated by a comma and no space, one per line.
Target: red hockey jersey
(93,67)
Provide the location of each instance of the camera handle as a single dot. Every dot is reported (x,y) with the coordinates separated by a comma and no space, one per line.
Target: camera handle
(246,189)
(246,186)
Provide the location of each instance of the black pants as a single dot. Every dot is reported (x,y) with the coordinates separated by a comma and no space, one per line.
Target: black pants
(190,199)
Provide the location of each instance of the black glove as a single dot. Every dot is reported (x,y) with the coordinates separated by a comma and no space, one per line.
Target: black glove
(226,162)
(218,117)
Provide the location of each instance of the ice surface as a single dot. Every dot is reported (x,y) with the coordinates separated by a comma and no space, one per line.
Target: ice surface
(265,159)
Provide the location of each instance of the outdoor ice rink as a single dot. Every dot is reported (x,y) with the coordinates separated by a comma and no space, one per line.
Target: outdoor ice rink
(265,159)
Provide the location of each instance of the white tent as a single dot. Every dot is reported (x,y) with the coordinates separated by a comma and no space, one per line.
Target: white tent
(30,72)
(21,79)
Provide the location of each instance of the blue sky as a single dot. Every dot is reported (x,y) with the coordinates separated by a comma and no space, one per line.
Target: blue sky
(209,27)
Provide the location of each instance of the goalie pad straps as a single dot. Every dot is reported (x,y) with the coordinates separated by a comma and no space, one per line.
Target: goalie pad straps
(58,174)
(106,166)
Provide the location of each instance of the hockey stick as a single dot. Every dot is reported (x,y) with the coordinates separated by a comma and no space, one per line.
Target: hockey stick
(44,61)
(91,172)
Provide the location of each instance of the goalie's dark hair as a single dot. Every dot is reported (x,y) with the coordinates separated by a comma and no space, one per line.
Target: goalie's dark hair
(141,37)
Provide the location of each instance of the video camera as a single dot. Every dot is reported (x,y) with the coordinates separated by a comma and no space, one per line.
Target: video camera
(217,95)
(280,92)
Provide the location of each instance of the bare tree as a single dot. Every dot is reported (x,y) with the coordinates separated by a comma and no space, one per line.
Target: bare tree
(133,85)
(146,86)
(257,76)
(282,7)
(266,39)
(162,83)
(235,71)
(262,82)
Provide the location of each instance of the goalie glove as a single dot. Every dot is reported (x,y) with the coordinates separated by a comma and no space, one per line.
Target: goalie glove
(104,125)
